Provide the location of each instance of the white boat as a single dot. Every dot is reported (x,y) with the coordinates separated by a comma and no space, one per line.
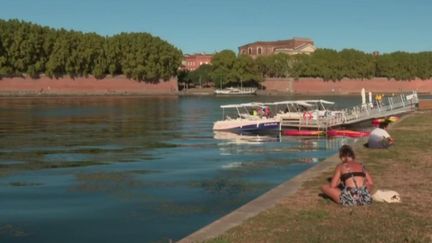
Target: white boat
(304,109)
(301,113)
(236,91)
(248,117)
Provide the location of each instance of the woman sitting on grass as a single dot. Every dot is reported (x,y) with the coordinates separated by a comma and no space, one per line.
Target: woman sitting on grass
(351,183)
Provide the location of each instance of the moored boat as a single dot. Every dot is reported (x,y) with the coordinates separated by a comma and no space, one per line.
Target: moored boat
(347,133)
(236,91)
(302,132)
(249,117)
(245,125)
(312,114)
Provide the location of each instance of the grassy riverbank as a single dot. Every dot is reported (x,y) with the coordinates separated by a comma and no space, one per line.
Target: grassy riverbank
(405,167)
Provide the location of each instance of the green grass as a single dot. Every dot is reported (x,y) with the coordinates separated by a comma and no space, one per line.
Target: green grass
(405,167)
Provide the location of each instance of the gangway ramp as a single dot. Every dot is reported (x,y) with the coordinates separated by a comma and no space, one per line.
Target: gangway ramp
(394,105)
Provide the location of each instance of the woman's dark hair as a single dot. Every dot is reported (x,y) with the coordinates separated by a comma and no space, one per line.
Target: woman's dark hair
(384,124)
(346,151)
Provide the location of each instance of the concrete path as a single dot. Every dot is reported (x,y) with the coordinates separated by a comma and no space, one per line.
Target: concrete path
(260,204)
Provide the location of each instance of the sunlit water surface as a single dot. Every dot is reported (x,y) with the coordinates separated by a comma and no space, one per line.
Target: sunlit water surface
(129,169)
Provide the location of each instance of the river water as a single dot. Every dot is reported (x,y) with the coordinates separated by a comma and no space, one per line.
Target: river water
(134,169)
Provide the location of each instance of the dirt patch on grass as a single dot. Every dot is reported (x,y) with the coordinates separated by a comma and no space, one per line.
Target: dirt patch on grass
(306,217)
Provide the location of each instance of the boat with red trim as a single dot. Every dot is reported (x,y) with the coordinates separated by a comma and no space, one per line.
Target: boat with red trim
(294,132)
(309,114)
(347,133)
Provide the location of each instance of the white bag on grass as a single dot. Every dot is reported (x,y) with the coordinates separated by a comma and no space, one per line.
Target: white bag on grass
(387,196)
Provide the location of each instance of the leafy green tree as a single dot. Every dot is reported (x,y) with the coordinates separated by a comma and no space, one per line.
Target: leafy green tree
(333,65)
(423,62)
(201,75)
(357,64)
(222,67)
(3,60)
(263,65)
(399,65)
(144,57)
(282,65)
(26,48)
(245,69)
(60,59)
(31,49)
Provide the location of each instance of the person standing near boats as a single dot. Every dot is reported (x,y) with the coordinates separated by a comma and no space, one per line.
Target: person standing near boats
(378,99)
(254,112)
(267,112)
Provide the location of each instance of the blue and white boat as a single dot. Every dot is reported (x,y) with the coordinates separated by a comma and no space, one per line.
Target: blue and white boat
(247,117)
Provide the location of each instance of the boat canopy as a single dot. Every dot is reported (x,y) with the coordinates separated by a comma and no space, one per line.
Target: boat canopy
(294,102)
(320,101)
(252,104)
(306,103)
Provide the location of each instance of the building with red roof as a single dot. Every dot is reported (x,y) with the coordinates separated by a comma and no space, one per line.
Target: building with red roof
(193,61)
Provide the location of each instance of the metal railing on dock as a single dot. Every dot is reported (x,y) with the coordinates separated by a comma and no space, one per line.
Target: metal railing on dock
(394,105)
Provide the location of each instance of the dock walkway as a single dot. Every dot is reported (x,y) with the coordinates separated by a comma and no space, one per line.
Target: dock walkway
(395,105)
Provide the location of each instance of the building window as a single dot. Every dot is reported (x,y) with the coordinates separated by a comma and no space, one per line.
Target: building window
(259,51)
(250,51)
(243,51)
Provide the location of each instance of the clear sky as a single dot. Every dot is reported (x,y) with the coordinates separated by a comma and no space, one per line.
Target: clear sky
(214,25)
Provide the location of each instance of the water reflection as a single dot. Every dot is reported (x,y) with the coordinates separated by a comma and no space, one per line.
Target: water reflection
(132,169)
(228,186)
(242,150)
(69,132)
(245,138)
(230,143)
(112,182)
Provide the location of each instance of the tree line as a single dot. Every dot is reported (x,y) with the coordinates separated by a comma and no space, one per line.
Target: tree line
(31,49)
(228,69)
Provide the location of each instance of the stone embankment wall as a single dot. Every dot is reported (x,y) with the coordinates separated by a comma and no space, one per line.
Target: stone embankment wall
(346,86)
(425,104)
(118,85)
